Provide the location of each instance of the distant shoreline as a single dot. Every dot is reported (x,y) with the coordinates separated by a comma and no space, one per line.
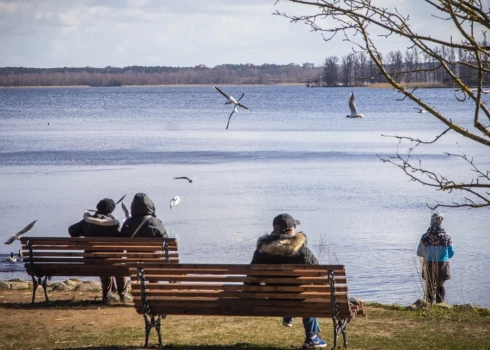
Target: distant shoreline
(421,85)
(126,86)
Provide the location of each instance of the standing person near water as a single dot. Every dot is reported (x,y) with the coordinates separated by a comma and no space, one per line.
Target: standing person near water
(436,249)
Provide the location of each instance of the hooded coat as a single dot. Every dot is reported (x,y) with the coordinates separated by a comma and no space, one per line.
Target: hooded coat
(97,225)
(436,249)
(283,249)
(143,208)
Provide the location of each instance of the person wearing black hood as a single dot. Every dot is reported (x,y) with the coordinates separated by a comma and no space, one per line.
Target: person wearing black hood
(283,246)
(103,224)
(143,221)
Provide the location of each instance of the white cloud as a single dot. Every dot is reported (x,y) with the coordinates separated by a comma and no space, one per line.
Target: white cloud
(137,3)
(69,30)
(59,50)
(173,33)
(120,50)
(8,7)
(70,18)
(41,15)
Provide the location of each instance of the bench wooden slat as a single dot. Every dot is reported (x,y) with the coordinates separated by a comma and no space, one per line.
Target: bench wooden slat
(123,244)
(150,270)
(83,272)
(100,254)
(99,248)
(229,287)
(237,302)
(249,312)
(239,279)
(151,240)
(251,268)
(246,309)
(242,294)
(158,309)
(96,260)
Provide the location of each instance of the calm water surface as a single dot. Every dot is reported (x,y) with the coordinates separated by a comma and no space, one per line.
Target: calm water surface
(295,152)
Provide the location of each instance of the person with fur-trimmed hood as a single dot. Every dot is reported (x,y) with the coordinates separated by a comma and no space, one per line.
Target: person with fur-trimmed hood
(284,246)
(103,224)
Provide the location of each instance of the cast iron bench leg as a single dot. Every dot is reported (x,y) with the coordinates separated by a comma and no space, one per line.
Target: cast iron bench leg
(35,283)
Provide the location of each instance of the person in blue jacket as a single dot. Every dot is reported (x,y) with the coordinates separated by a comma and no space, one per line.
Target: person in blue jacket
(436,249)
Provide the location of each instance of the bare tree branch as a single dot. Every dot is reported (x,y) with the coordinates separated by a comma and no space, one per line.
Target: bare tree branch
(357,20)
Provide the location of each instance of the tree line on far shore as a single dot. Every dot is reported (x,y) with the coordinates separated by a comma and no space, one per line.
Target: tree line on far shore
(412,66)
(141,75)
(356,69)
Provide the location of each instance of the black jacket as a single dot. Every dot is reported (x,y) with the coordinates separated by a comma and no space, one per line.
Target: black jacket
(97,225)
(283,249)
(142,207)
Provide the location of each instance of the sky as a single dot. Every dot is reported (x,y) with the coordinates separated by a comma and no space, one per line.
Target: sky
(180,33)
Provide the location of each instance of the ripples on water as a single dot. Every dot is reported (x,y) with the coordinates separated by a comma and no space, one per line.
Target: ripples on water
(296,152)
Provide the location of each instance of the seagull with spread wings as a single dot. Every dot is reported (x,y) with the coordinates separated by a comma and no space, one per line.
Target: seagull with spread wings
(20,233)
(353,108)
(232,100)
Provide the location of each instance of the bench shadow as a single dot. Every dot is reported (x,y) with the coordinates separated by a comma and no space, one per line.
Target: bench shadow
(237,346)
(68,304)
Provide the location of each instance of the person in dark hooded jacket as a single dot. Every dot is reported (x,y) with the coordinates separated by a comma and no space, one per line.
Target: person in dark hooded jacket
(143,221)
(283,246)
(103,224)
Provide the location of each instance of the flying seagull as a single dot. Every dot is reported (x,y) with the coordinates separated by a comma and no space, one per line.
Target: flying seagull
(119,201)
(353,108)
(20,233)
(184,178)
(232,100)
(174,201)
(420,110)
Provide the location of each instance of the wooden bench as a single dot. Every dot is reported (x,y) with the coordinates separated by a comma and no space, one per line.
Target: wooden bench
(242,290)
(46,257)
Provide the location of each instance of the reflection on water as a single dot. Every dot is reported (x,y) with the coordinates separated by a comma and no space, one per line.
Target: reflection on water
(294,153)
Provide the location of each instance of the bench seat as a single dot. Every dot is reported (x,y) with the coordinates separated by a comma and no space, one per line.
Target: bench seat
(241,290)
(45,257)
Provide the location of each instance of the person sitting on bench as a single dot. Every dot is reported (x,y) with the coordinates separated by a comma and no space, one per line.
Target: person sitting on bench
(103,224)
(283,246)
(143,221)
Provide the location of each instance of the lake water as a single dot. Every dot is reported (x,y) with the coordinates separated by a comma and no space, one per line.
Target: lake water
(295,152)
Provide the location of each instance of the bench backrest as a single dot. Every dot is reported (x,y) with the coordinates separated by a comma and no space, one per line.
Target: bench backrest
(241,290)
(93,256)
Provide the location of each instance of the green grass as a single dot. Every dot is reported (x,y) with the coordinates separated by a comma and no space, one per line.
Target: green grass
(90,325)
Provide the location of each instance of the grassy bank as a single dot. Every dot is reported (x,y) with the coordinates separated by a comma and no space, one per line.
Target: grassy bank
(77,320)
